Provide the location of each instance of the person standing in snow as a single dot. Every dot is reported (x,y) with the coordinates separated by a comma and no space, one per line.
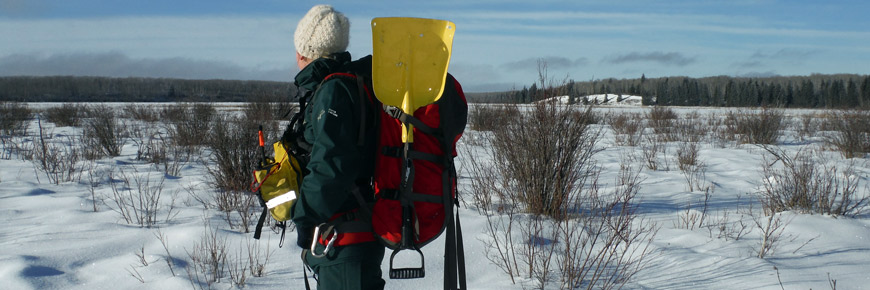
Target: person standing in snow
(341,163)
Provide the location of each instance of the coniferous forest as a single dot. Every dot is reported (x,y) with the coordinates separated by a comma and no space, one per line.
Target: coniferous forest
(814,91)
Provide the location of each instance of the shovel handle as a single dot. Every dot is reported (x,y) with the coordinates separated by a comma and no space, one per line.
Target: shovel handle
(408,273)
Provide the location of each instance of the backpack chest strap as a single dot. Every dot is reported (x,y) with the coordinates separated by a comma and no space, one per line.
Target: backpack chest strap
(397,152)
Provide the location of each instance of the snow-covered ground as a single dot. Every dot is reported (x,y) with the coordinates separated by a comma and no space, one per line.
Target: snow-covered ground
(51,237)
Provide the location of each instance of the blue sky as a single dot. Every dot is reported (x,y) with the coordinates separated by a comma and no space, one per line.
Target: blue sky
(498,44)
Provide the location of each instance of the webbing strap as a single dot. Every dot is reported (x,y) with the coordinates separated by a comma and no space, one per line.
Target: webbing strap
(450,250)
(360,83)
(400,115)
(460,254)
(394,194)
(305,269)
(259,228)
(398,152)
(354,226)
(364,206)
(454,252)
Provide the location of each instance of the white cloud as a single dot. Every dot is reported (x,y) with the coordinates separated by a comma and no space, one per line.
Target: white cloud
(116,64)
(247,41)
(665,58)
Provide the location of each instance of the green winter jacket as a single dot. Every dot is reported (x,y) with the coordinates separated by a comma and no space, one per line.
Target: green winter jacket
(338,164)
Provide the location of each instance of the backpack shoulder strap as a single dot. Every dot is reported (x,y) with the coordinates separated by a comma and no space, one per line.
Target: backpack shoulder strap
(363,95)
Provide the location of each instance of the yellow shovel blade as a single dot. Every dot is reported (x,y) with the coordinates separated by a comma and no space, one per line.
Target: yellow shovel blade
(409,61)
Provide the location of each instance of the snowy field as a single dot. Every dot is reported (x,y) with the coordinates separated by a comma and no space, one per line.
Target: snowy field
(71,235)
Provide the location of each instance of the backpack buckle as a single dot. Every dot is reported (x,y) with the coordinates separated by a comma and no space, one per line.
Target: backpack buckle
(329,231)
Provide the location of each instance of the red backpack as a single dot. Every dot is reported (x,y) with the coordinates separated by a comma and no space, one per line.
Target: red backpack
(430,172)
(414,185)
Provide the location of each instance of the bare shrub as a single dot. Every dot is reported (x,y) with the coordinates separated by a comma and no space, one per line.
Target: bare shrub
(539,247)
(263,114)
(174,113)
(592,239)
(14,118)
(59,161)
(628,128)
(694,170)
(200,197)
(490,117)
(691,128)
(234,143)
(605,242)
(170,261)
(16,146)
(103,132)
(212,259)
(501,208)
(544,153)
(237,269)
(728,228)
(723,129)
(189,124)
(662,120)
(68,114)
(651,150)
(208,259)
(772,228)
(175,156)
(692,218)
(138,199)
(135,274)
(96,177)
(155,147)
(687,155)
(852,132)
(275,106)
(763,127)
(258,257)
(143,135)
(146,113)
(807,183)
(807,126)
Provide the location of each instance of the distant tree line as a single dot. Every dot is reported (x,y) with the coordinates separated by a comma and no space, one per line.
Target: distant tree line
(814,91)
(104,89)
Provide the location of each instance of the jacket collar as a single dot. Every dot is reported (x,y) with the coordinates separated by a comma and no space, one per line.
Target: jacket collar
(313,74)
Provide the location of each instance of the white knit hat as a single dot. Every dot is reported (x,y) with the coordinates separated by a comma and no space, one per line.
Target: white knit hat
(321,32)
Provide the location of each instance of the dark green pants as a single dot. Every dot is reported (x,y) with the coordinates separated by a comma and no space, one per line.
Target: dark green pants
(354,267)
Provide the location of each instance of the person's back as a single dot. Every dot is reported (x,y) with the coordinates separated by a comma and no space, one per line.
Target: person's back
(345,137)
(338,163)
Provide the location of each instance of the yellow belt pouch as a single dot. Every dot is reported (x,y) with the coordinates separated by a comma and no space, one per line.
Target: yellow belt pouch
(279,183)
